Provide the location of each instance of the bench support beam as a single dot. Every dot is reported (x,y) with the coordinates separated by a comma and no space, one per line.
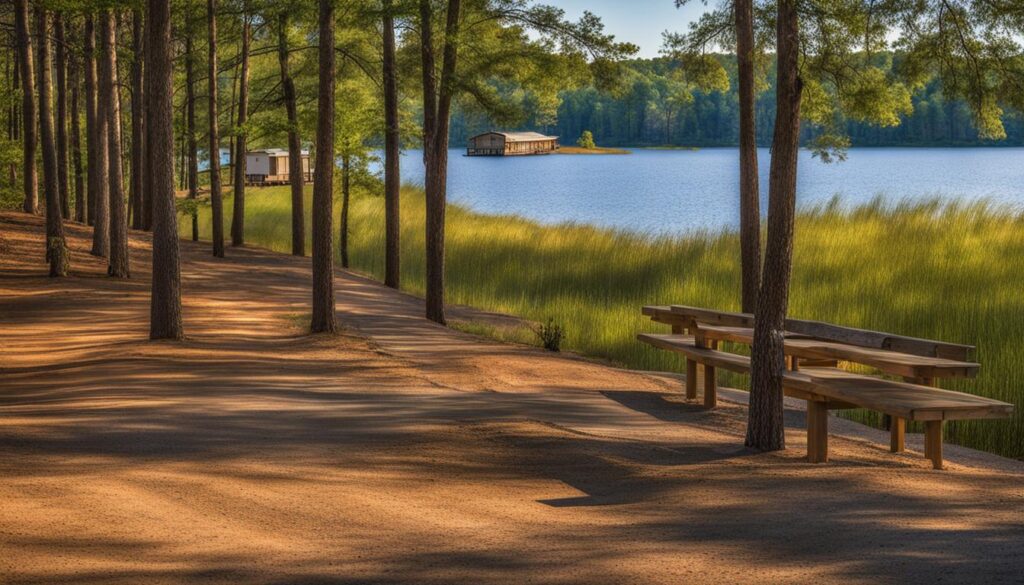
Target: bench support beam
(897,434)
(691,379)
(933,442)
(817,431)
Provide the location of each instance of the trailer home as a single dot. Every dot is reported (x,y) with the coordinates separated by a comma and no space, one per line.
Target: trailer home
(271,167)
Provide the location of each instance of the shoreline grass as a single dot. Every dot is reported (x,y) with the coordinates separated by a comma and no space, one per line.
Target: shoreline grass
(947,271)
(595,150)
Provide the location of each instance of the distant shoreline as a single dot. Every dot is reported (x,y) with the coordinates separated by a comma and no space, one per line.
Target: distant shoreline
(596,150)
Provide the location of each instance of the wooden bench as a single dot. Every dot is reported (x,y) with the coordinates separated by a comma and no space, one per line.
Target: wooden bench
(813,350)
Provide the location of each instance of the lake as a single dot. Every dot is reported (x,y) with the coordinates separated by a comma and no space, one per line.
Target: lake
(678,190)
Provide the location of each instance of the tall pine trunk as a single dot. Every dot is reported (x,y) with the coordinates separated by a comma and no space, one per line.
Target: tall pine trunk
(392,156)
(437,101)
(61,122)
(110,97)
(76,142)
(138,180)
(165,304)
(750,206)
(238,211)
(765,429)
(296,177)
(346,184)
(56,248)
(323,320)
(30,202)
(216,194)
(99,166)
(190,131)
(14,114)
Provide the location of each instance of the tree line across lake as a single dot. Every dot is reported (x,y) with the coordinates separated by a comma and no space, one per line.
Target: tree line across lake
(647,108)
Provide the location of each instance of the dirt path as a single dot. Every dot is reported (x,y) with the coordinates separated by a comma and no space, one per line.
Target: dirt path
(403,452)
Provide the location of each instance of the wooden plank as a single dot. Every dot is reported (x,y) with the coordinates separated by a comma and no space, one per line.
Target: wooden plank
(898,364)
(830,332)
(900,399)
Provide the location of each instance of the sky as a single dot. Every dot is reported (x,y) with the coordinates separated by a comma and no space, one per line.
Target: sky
(640,22)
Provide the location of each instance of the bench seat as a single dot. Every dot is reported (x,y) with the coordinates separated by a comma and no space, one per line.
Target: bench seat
(827,388)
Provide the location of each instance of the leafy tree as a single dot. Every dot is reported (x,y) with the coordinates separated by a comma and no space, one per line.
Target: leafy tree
(586,140)
(485,43)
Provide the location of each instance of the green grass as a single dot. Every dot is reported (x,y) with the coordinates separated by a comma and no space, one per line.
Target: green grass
(948,272)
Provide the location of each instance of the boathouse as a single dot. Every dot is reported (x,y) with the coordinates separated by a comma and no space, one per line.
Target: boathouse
(270,167)
(511,144)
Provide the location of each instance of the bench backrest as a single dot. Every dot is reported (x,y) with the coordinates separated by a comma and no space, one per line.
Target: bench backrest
(682,315)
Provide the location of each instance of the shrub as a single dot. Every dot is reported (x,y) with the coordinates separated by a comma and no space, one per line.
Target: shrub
(586,140)
(551,335)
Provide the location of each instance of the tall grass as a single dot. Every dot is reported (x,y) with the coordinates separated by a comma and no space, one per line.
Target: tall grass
(943,271)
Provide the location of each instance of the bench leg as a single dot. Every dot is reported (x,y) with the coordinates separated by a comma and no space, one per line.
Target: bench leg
(897,434)
(817,432)
(710,387)
(691,379)
(933,442)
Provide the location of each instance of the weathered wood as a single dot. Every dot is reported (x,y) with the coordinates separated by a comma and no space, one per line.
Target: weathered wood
(691,379)
(933,442)
(826,331)
(710,381)
(817,432)
(897,435)
(908,401)
(920,368)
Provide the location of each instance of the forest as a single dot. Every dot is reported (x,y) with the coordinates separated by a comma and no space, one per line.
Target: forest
(653,105)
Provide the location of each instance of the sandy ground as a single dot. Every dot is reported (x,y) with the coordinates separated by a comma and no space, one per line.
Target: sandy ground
(402,452)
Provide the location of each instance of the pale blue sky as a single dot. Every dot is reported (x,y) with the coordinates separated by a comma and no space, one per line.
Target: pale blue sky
(640,22)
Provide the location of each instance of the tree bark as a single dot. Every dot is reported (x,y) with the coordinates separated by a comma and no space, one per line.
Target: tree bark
(346,183)
(147,158)
(216,195)
(138,180)
(392,156)
(28,107)
(76,143)
(323,320)
(765,430)
(98,165)
(437,100)
(61,123)
(14,115)
(238,212)
(296,178)
(56,248)
(750,206)
(190,130)
(165,304)
(110,93)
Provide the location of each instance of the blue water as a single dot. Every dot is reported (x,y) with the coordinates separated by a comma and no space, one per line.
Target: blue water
(674,191)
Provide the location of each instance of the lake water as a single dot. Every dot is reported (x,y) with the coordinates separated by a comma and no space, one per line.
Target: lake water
(677,190)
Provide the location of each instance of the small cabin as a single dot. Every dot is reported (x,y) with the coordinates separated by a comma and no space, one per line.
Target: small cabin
(511,144)
(271,167)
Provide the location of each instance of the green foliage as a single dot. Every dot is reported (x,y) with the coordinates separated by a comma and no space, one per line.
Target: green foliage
(948,272)
(550,335)
(586,140)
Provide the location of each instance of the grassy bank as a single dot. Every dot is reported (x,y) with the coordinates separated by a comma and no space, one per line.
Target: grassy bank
(944,272)
(595,150)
